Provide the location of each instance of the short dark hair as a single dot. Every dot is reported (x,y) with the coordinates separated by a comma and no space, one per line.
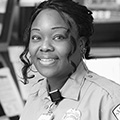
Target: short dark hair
(81,15)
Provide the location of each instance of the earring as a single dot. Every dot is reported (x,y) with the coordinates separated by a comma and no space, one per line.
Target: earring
(83,51)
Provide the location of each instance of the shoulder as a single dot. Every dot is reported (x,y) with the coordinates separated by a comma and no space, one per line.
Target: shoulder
(109,86)
(111,99)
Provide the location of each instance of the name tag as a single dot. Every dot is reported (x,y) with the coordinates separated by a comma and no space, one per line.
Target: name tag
(47,116)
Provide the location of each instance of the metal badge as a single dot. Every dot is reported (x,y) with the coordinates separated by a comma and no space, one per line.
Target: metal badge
(72,114)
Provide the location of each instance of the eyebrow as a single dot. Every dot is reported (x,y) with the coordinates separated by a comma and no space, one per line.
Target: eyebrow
(59,28)
(35,29)
(51,28)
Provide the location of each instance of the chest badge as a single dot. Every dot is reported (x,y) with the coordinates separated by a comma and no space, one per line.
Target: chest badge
(72,114)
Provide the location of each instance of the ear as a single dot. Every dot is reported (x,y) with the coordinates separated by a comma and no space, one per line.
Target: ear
(82,42)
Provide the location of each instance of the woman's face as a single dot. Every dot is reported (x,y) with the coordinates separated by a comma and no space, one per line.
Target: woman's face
(50,45)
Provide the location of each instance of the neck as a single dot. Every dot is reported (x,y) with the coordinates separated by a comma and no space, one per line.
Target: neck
(56,83)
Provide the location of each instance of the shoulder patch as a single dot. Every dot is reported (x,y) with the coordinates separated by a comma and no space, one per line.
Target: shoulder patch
(116,112)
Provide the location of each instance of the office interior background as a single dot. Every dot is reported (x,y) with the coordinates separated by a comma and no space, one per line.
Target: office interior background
(14,15)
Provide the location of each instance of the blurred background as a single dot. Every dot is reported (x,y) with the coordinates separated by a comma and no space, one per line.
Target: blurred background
(14,15)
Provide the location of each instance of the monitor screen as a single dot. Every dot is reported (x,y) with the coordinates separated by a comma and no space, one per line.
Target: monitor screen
(7,12)
(3,4)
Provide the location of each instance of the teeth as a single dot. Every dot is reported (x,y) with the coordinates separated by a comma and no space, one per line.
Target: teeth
(47,60)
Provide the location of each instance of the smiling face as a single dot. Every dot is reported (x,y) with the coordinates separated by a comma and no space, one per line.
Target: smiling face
(50,45)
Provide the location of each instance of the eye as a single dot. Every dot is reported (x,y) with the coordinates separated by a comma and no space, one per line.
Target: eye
(58,37)
(36,38)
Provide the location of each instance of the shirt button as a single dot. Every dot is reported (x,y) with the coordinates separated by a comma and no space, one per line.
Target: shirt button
(90,76)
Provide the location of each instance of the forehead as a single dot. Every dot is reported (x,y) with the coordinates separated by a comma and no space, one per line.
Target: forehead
(49,18)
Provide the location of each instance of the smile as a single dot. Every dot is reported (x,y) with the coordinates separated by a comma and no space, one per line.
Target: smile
(47,61)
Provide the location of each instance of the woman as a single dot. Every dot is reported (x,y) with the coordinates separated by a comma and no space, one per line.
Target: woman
(57,41)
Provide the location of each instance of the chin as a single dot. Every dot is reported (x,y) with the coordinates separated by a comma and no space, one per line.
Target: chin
(48,73)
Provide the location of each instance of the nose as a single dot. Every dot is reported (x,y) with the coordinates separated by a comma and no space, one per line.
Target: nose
(46,46)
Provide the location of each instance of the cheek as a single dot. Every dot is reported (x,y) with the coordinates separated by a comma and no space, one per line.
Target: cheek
(64,49)
(33,49)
